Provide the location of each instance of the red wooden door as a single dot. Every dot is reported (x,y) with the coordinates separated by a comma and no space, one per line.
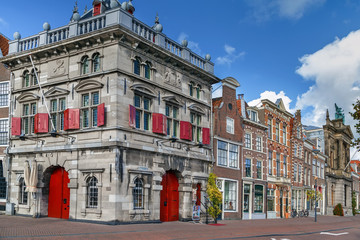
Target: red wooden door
(59,194)
(169,198)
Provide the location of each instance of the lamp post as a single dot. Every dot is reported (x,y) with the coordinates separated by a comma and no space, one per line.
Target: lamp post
(315,197)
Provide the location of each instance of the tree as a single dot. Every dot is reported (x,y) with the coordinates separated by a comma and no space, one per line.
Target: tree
(215,197)
(353,203)
(311,196)
(356,116)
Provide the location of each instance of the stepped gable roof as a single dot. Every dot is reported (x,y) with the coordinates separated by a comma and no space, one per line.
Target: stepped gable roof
(4,45)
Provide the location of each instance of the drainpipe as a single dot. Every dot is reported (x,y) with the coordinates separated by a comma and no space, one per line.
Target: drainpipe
(8,156)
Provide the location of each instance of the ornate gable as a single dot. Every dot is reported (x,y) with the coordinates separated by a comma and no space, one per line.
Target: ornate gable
(28,97)
(55,92)
(87,85)
(174,100)
(197,108)
(144,89)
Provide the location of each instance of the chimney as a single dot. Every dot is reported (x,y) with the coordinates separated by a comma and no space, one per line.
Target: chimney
(243,113)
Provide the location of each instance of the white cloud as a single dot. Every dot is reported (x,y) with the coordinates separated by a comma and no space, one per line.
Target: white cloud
(273,96)
(230,55)
(263,10)
(3,22)
(335,70)
(194,46)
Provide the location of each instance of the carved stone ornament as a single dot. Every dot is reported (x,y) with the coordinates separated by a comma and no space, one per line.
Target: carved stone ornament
(172,78)
(59,67)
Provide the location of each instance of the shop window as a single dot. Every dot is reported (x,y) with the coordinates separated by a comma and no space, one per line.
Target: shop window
(138,194)
(2,182)
(92,193)
(270,200)
(230,195)
(247,189)
(259,199)
(89,103)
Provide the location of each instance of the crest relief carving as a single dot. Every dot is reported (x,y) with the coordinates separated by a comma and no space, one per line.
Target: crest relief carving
(58,68)
(173,78)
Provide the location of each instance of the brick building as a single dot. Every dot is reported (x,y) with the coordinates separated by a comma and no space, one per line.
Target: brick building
(255,165)
(227,146)
(4,119)
(122,123)
(277,119)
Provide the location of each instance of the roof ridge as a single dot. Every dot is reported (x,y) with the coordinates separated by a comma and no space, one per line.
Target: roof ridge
(5,36)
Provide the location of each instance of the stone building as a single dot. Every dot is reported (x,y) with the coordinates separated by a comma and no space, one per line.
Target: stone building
(227,145)
(297,162)
(277,119)
(4,119)
(255,165)
(338,137)
(121,123)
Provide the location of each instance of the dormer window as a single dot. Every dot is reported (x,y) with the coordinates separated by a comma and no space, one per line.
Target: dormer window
(253,115)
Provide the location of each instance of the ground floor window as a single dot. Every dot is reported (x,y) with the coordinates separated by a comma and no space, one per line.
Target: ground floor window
(230,195)
(270,200)
(138,194)
(246,197)
(23,195)
(92,193)
(259,198)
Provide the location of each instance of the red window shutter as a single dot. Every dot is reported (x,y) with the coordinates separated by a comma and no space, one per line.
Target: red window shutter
(132,116)
(185,130)
(41,123)
(159,123)
(97,9)
(101,115)
(71,119)
(206,135)
(16,126)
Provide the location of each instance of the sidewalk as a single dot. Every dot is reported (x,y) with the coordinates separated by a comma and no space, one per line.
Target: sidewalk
(15,227)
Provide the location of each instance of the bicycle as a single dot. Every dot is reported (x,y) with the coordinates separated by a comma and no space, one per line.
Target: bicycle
(294,213)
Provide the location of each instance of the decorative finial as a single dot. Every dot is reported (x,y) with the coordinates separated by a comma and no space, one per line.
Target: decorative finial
(327,114)
(75,7)
(157,18)
(85,10)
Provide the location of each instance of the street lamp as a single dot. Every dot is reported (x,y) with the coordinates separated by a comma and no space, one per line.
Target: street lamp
(316,152)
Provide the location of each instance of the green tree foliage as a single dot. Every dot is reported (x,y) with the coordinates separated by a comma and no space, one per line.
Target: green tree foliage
(353,203)
(356,116)
(215,197)
(338,210)
(311,195)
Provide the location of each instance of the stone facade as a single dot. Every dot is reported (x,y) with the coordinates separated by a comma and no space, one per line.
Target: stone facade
(338,176)
(116,164)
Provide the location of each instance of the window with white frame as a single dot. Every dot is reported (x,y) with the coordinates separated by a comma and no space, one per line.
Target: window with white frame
(314,167)
(57,108)
(259,199)
(143,112)
(270,128)
(23,195)
(258,143)
(4,94)
(172,121)
(270,162)
(300,178)
(228,154)
(285,165)
(252,115)
(247,140)
(92,193)
(295,172)
(295,150)
(318,169)
(270,200)
(4,128)
(277,132)
(248,167)
(230,125)
(284,134)
(258,169)
(278,167)
(85,65)
(89,103)
(27,118)
(322,171)
(230,195)
(138,194)
(195,120)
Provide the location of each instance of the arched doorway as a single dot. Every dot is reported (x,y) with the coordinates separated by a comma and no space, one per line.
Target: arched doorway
(59,194)
(169,198)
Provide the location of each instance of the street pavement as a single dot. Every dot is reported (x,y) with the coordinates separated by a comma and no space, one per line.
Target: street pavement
(327,227)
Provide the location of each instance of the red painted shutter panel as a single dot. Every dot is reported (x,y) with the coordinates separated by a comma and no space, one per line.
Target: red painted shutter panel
(132,116)
(206,135)
(97,9)
(159,123)
(16,126)
(101,115)
(71,119)
(41,123)
(164,125)
(185,130)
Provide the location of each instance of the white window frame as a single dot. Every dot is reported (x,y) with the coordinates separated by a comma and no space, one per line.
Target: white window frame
(258,143)
(220,182)
(229,125)
(247,143)
(227,155)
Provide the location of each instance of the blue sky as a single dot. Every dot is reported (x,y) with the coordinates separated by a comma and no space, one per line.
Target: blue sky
(302,50)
